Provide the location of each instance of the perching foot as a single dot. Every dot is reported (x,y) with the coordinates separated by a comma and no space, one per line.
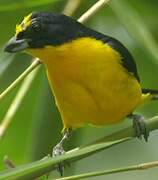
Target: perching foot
(140,127)
(57,151)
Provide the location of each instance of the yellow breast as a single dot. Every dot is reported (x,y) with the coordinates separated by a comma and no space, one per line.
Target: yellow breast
(89,82)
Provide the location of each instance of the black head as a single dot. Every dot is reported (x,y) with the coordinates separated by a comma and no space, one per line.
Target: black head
(39,29)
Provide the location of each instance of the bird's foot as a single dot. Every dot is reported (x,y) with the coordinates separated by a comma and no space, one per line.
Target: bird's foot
(57,151)
(140,127)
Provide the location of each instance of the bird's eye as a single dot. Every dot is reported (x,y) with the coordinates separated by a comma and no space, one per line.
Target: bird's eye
(36,26)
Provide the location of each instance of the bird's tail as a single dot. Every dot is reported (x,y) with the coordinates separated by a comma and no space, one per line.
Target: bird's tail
(153,93)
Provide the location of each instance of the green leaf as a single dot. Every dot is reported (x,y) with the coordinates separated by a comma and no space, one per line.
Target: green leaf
(38,168)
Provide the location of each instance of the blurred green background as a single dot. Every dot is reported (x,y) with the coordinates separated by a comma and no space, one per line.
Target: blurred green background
(36,126)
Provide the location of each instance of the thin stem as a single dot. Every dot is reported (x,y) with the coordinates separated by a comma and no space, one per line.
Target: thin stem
(152,124)
(143,166)
(41,167)
(92,11)
(18,99)
(20,78)
(71,7)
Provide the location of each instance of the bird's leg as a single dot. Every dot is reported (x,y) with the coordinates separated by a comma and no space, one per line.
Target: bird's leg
(140,126)
(59,150)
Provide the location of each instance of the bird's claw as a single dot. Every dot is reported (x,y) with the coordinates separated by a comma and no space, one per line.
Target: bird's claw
(57,151)
(140,127)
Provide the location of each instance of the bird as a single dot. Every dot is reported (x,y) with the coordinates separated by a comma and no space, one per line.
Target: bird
(93,76)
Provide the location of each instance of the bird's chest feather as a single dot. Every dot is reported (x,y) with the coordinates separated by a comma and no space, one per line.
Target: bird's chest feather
(89,83)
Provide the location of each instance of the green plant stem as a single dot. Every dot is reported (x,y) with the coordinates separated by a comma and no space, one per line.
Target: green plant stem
(152,124)
(38,168)
(113,171)
(20,78)
(71,7)
(17,102)
(92,11)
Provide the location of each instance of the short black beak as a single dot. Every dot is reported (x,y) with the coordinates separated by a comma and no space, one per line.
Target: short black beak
(15,45)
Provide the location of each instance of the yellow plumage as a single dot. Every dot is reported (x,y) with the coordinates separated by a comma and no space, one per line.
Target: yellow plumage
(89,82)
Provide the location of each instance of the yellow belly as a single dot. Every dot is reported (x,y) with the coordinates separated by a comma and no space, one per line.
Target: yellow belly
(89,83)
